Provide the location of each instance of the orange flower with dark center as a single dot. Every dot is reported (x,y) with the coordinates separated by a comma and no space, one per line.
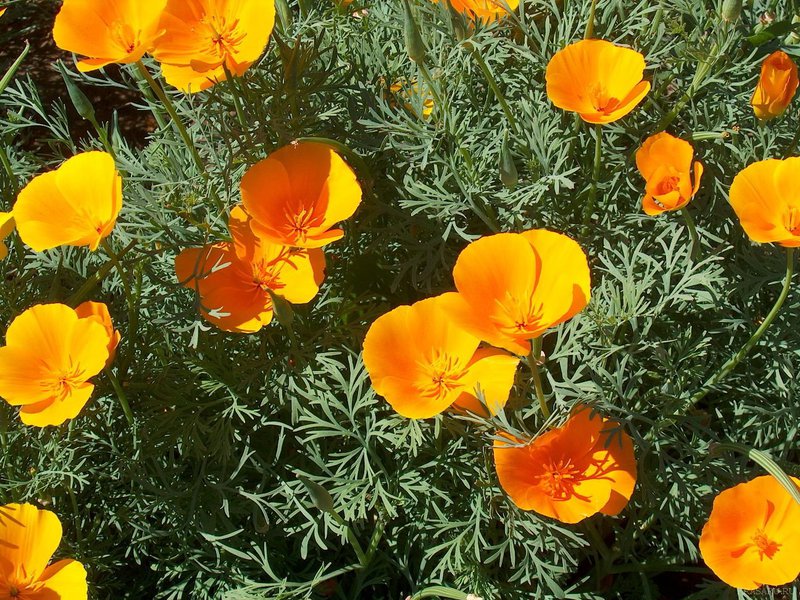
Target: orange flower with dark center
(234,279)
(764,197)
(118,31)
(422,363)
(297,194)
(776,86)
(600,81)
(585,467)
(515,286)
(50,355)
(204,38)
(752,537)
(28,538)
(486,10)
(666,164)
(75,205)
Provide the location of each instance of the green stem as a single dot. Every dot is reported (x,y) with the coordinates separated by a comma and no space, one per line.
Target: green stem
(103,136)
(493,85)
(598,156)
(123,399)
(533,362)
(440,592)
(694,251)
(351,537)
(737,358)
(98,276)
(590,23)
(426,75)
(12,178)
(176,120)
(790,150)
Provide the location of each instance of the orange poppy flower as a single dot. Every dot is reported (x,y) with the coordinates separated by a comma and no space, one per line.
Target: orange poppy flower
(422,363)
(666,164)
(764,198)
(575,471)
(28,538)
(600,81)
(776,86)
(515,286)
(107,32)
(203,38)
(234,279)
(49,357)
(485,10)
(99,312)
(6,227)
(752,537)
(75,205)
(298,193)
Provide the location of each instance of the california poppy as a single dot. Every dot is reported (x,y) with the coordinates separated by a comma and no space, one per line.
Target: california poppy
(486,10)
(515,286)
(203,38)
(422,363)
(50,355)
(107,32)
(99,312)
(600,81)
(752,537)
(298,193)
(585,467)
(75,205)
(776,86)
(28,538)
(764,198)
(6,227)
(666,164)
(235,279)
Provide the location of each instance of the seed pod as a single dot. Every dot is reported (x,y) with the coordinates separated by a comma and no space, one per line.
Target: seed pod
(414,44)
(508,170)
(731,10)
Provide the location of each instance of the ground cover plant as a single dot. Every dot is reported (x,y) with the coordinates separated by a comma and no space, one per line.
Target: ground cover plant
(399,298)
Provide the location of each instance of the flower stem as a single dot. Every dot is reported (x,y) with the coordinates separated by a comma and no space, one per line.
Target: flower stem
(737,358)
(161,94)
(598,155)
(493,85)
(123,399)
(533,362)
(426,75)
(694,251)
(98,276)
(590,23)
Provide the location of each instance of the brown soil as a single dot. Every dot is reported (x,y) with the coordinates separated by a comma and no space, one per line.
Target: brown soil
(32,21)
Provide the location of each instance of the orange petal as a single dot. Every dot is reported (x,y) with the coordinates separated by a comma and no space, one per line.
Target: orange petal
(66,579)
(492,371)
(76,205)
(99,312)
(29,537)
(56,411)
(759,195)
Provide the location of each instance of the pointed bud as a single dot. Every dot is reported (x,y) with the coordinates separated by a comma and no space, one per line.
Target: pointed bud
(282,310)
(319,495)
(731,10)
(414,44)
(79,100)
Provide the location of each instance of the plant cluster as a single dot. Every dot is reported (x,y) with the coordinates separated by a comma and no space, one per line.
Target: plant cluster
(401,298)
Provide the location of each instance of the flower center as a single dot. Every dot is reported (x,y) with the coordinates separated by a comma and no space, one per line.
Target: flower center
(13,592)
(64,383)
(602,102)
(792,220)
(225,37)
(124,36)
(266,275)
(445,374)
(764,545)
(668,184)
(560,479)
(517,317)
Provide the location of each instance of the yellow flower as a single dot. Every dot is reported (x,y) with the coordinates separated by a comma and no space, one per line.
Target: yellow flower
(6,227)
